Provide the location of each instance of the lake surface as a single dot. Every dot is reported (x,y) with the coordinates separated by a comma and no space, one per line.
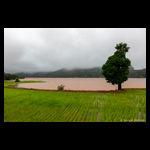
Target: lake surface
(81,83)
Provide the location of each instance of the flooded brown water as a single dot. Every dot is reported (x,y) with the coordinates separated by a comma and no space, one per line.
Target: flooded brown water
(81,83)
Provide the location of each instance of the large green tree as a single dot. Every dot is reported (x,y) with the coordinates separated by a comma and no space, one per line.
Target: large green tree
(116,68)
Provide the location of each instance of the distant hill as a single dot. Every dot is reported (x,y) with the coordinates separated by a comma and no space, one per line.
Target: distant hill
(81,73)
(137,73)
(92,72)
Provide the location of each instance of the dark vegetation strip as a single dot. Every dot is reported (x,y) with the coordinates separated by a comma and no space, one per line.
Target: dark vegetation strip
(92,91)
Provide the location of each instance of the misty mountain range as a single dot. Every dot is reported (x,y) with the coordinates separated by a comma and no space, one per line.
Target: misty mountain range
(81,73)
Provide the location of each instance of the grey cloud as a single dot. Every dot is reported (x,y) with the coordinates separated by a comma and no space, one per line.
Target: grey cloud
(49,49)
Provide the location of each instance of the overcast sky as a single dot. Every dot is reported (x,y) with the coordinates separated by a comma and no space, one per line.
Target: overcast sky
(50,49)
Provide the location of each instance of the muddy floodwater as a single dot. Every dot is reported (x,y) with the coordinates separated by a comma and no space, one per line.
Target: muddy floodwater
(81,83)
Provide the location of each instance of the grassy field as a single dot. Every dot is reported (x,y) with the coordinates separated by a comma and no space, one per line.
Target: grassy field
(44,106)
(15,83)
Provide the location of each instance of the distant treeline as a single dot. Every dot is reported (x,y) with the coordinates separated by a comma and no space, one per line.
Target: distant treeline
(81,73)
(8,76)
(137,73)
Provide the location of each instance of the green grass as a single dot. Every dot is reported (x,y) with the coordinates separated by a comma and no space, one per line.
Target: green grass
(44,106)
(15,83)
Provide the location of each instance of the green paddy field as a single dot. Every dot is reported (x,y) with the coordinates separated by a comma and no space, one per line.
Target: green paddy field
(22,105)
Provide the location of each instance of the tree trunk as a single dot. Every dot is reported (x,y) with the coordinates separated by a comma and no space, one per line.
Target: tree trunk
(119,86)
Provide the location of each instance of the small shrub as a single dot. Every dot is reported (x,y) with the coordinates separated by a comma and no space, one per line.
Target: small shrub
(17,80)
(61,87)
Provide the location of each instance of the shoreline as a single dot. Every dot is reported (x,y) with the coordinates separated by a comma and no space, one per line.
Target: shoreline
(84,91)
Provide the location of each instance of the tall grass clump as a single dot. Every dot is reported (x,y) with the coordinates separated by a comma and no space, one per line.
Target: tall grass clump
(17,80)
(60,87)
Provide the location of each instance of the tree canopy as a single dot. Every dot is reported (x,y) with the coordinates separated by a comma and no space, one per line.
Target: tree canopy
(8,76)
(116,68)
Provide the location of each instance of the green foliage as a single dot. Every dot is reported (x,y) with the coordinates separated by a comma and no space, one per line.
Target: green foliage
(43,106)
(17,80)
(14,83)
(122,47)
(61,87)
(116,68)
(8,76)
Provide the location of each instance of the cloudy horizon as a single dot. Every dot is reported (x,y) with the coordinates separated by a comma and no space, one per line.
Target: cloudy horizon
(51,49)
